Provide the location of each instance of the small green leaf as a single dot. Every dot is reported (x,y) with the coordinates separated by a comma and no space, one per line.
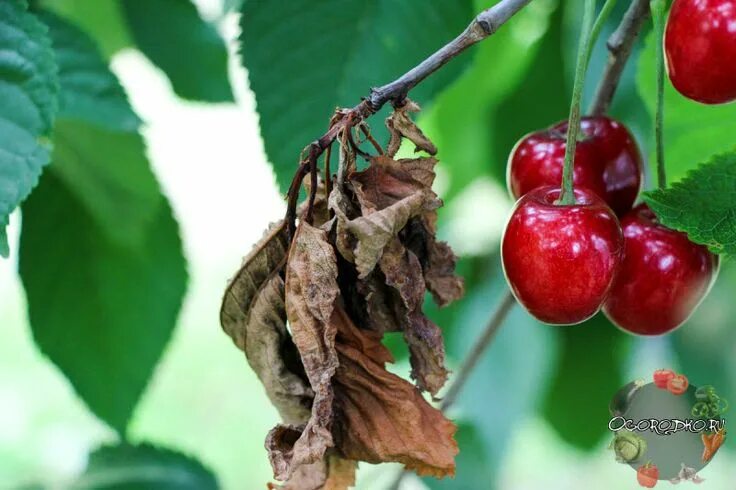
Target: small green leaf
(28,104)
(189,50)
(306,57)
(589,373)
(703,204)
(143,467)
(103,312)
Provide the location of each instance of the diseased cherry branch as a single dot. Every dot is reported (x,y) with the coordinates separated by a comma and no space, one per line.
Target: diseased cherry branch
(620,45)
(484,25)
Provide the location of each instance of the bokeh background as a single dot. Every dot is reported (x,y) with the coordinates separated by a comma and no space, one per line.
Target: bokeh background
(535,412)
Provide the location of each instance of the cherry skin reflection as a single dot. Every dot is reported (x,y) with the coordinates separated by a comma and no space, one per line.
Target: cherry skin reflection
(560,261)
(663,277)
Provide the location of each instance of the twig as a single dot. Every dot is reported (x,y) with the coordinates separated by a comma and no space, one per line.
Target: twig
(480,346)
(620,45)
(484,25)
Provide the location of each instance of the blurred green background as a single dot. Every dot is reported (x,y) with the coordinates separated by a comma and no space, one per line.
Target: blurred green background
(535,412)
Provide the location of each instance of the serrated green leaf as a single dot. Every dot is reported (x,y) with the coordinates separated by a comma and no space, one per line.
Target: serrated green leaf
(100,19)
(28,105)
(89,91)
(101,259)
(590,371)
(692,131)
(189,50)
(143,467)
(703,204)
(305,57)
(103,312)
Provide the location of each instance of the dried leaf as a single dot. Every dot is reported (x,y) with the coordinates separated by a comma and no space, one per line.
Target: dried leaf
(387,181)
(267,256)
(333,473)
(342,207)
(253,314)
(379,301)
(376,230)
(381,417)
(403,272)
(311,291)
(401,126)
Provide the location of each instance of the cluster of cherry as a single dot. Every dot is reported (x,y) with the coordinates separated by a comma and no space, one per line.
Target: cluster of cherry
(564,263)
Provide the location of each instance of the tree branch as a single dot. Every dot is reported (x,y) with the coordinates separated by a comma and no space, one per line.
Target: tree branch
(620,45)
(483,26)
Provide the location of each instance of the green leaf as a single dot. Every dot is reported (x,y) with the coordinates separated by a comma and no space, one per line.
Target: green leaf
(101,19)
(90,92)
(703,204)
(189,50)
(305,57)
(143,467)
(98,152)
(28,104)
(103,312)
(692,131)
(590,371)
(101,259)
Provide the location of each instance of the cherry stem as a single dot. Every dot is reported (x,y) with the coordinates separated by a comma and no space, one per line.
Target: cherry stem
(588,37)
(658,13)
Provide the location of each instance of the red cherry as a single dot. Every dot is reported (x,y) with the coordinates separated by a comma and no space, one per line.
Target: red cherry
(663,277)
(700,49)
(560,261)
(607,161)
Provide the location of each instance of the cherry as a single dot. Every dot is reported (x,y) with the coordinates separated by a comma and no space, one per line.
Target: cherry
(607,161)
(663,277)
(700,49)
(560,260)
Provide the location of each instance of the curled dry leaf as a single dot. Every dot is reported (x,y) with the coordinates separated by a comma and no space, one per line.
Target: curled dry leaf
(400,125)
(253,314)
(403,272)
(332,473)
(381,417)
(311,291)
(360,268)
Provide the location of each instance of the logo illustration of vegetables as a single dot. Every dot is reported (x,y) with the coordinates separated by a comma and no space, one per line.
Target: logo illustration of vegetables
(628,446)
(709,405)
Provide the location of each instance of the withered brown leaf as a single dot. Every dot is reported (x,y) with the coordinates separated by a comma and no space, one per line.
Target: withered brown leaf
(311,291)
(400,125)
(379,416)
(332,473)
(253,314)
(403,272)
